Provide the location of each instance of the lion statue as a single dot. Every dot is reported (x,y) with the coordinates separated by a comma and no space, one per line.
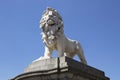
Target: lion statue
(53,37)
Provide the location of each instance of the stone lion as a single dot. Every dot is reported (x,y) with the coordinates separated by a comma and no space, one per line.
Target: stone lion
(53,37)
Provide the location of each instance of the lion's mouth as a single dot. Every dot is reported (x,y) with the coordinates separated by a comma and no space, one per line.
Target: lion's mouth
(52,37)
(51,22)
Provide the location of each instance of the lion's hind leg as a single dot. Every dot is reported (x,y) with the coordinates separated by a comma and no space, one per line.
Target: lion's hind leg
(70,55)
(80,53)
(82,57)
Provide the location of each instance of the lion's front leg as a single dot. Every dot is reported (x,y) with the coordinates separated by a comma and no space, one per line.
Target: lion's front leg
(48,52)
(60,51)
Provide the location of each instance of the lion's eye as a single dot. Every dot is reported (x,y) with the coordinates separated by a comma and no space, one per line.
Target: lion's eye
(58,28)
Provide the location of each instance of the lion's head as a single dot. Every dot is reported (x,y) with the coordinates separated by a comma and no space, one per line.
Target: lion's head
(51,24)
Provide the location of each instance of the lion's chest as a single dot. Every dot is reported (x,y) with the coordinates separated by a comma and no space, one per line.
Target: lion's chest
(51,43)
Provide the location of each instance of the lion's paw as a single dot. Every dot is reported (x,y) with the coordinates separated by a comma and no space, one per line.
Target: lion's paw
(42,57)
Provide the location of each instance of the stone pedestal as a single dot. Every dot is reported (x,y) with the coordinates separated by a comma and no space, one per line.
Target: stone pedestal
(62,68)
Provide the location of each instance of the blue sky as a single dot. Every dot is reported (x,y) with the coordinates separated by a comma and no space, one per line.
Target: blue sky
(94,23)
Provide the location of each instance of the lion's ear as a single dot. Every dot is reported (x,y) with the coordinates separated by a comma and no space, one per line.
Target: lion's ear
(42,25)
(61,24)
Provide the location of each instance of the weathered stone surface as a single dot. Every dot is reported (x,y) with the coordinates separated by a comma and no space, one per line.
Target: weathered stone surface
(42,65)
(54,38)
(62,68)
